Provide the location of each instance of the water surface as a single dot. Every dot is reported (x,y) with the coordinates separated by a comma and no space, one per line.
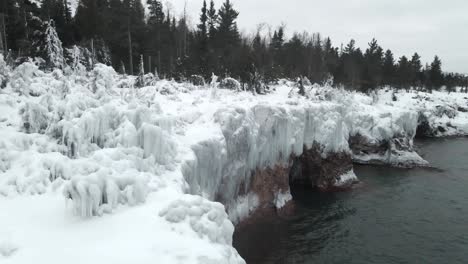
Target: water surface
(396,216)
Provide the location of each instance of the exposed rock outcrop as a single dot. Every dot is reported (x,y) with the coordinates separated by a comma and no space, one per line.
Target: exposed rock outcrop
(332,172)
(397,152)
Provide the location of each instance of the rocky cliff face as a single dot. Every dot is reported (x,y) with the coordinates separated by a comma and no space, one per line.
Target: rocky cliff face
(397,152)
(332,172)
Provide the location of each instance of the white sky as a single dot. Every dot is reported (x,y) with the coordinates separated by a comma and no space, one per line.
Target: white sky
(429,27)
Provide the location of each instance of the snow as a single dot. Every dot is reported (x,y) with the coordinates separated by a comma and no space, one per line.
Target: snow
(346,178)
(282,198)
(109,173)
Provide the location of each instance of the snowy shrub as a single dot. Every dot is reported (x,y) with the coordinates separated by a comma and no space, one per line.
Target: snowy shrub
(157,143)
(230,83)
(197,80)
(57,168)
(127,135)
(101,192)
(78,58)
(306,81)
(149,80)
(22,78)
(168,88)
(103,78)
(35,118)
(125,82)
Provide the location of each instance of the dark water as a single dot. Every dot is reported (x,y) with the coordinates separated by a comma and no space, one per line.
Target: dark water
(396,216)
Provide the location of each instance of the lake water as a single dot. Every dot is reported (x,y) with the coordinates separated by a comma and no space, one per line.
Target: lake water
(394,216)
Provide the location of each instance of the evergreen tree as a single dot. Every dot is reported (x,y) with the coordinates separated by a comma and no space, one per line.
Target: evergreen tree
(202,40)
(331,57)
(116,30)
(227,38)
(352,62)
(373,68)
(49,47)
(212,20)
(88,19)
(203,25)
(404,73)
(227,29)
(416,70)
(156,14)
(388,68)
(435,73)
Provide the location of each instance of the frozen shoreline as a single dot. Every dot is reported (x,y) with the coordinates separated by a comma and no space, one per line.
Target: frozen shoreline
(107,173)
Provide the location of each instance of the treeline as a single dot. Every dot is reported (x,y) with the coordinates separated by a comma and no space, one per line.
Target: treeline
(118,32)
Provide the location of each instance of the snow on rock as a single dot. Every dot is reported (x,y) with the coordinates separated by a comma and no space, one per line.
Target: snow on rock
(242,207)
(439,113)
(282,198)
(346,178)
(132,156)
(208,220)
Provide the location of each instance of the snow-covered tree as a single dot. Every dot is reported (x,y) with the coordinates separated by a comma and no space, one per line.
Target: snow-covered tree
(48,46)
(22,77)
(122,69)
(140,81)
(214,86)
(4,72)
(156,74)
(53,47)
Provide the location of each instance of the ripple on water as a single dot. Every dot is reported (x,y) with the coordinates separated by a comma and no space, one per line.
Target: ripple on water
(396,216)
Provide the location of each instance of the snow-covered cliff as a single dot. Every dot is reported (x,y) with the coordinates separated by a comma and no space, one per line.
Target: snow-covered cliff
(109,173)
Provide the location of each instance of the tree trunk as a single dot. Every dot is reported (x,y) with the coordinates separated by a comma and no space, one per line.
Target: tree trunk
(4,34)
(1,42)
(93,53)
(130,54)
(149,64)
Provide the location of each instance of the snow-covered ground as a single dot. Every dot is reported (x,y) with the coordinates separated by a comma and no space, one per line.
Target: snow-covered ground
(95,171)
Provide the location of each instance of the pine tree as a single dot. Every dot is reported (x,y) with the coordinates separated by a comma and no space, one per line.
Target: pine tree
(54,47)
(202,39)
(404,73)
(49,47)
(373,68)
(87,19)
(435,73)
(227,29)
(416,70)
(352,65)
(227,39)
(203,25)
(330,57)
(156,14)
(388,68)
(212,20)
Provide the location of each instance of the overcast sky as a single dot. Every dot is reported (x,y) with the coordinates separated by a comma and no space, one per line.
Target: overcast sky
(429,27)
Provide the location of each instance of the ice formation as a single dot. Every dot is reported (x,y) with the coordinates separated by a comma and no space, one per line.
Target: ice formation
(154,162)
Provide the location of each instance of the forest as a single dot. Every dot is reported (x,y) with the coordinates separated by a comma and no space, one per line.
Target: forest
(120,33)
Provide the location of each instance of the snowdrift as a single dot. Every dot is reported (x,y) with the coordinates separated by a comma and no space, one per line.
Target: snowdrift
(155,164)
